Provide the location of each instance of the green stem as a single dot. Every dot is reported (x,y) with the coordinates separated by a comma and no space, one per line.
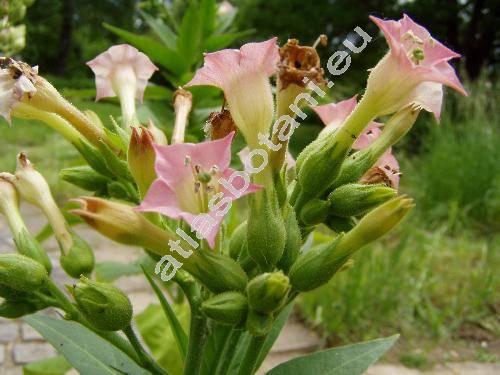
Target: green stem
(252,355)
(197,338)
(228,352)
(147,362)
(75,315)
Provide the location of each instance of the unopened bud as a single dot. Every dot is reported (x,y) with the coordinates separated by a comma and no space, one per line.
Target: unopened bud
(21,273)
(314,211)
(122,223)
(238,238)
(266,231)
(141,159)
(293,240)
(79,259)
(357,199)
(85,177)
(268,292)
(218,273)
(17,309)
(226,308)
(259,324)
(103,305)
(340,224)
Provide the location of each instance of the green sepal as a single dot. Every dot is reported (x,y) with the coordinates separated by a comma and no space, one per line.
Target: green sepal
(226,308)
(27,245)
(85,177)
(79,260)
(268,292)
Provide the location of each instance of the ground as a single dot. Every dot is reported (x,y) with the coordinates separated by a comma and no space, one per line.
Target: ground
(20,344)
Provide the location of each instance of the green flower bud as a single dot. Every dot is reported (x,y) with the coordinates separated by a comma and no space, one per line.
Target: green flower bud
(79,259)
(316,266)
(106,307)
(27,245)
(266,231)
(340,224)
(314,211)
(226,308)
(268,292)
(16,309)
(85,177)
(218,273)
(21,273)
(11,294)
(141,158)
(259,324)
(245,260)
(238,238)
(293,240)
(357,199)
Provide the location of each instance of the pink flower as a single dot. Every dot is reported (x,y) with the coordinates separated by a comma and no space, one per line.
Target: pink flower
(243,75)
(333,116)
(122,71)
(414,69)
(189,184)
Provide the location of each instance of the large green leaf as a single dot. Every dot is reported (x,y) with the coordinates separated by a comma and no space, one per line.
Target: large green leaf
(156,51)
(49,366)
(189,39)
(219,41)
(86,351)
(345,360)
(161,29)
(157,334)
(208,12)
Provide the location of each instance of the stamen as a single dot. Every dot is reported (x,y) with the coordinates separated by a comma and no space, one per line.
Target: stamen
(322,40)
(214,169)
(187,160)
(197,187)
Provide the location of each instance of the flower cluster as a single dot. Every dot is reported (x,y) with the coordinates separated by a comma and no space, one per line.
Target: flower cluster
(173,199)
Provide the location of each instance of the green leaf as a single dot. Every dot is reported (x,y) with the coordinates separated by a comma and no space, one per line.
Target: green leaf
(216,42)
(111,271)
(83,349)
(345,360)
(157,334)
(208,13)
(49,366)
(161,29)
(176,327)
(159,53)
(188,42)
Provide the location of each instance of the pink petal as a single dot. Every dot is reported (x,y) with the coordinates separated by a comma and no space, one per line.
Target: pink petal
(222,68)
(444,73)
(429,95)
(392,32)
(161,198)
(371,132)
(334,114)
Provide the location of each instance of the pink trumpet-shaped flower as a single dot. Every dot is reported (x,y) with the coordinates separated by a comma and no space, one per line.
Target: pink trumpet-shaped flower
(122,71)
(243,75)
(189,184)
(333,116)
(414,69)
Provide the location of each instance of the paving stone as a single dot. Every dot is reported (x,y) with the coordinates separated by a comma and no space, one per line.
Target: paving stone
(30,352)
(296,337)
(8,331)
(16,370)
(2,354)
(28,333)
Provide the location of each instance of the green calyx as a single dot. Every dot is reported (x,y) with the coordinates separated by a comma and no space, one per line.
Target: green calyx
(268,292)
(27,245)
(226,308)
(106,307)
(21,273)
(79,260)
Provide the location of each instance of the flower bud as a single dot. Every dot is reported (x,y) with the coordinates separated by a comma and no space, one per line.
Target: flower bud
(122,224)
(340,224)
(141,159)
(357,199)
(27,245)
(259,324)
(183,101)
(316,266)
(376,223)
(226,308)
(268,292)
(17,309)
(293,240)
(21,273)
(266,231)
(103,305)
(314,211)
(238,238)
(158,135)
(218,273)
(86,178)
(79,259)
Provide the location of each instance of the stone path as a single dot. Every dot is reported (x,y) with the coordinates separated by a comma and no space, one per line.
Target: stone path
(20,344)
